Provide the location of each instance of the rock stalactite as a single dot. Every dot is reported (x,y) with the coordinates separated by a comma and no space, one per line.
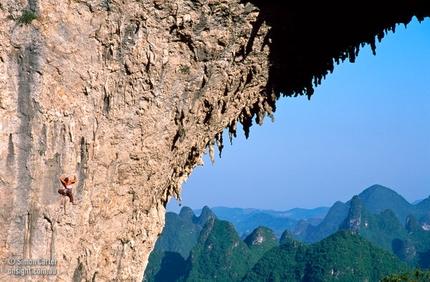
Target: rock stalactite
(127,95)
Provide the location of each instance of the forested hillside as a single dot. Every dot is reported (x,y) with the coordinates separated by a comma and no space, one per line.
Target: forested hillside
(343,256)
(220,255)
(356,241)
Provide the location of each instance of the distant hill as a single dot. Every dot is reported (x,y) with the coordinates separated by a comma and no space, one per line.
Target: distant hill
(220,255)
(164,266)
(417,201)
(380,229)
(411,243)
(376,199)
(196,248)
(309,233)
(239,214)
(246,220)
(260,241)
(277,224)
(181,232)
(343,256)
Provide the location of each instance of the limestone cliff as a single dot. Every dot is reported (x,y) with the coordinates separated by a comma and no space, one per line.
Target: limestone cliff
(127,95)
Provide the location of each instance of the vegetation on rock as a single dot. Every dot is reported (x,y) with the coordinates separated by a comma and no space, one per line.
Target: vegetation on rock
(220,255)
(343,256)
(27,17)
(365,246)
(416,275)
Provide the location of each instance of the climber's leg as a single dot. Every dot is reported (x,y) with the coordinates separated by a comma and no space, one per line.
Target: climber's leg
(62,192)
(70,195)
(67,193)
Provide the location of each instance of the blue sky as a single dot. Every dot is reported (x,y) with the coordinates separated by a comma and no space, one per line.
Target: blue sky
(368,123)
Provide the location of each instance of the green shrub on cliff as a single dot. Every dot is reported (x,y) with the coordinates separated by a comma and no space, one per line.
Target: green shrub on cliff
(27,17)
(416,275)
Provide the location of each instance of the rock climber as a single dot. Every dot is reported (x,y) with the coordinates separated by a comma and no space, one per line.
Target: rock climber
(67,191)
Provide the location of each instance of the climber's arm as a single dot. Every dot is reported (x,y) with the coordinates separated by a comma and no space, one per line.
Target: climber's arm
(62,181)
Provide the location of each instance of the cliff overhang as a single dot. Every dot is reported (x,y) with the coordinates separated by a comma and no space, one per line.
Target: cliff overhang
(127,96)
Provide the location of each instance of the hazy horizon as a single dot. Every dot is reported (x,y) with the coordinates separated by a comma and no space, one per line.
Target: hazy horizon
(414,202)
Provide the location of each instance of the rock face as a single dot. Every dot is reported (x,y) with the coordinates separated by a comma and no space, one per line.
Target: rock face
(127,95)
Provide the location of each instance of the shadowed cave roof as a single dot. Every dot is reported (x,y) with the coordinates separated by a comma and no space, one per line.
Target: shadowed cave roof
(308,38)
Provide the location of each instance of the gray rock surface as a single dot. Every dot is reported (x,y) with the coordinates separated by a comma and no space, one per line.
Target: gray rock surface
(127,96)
